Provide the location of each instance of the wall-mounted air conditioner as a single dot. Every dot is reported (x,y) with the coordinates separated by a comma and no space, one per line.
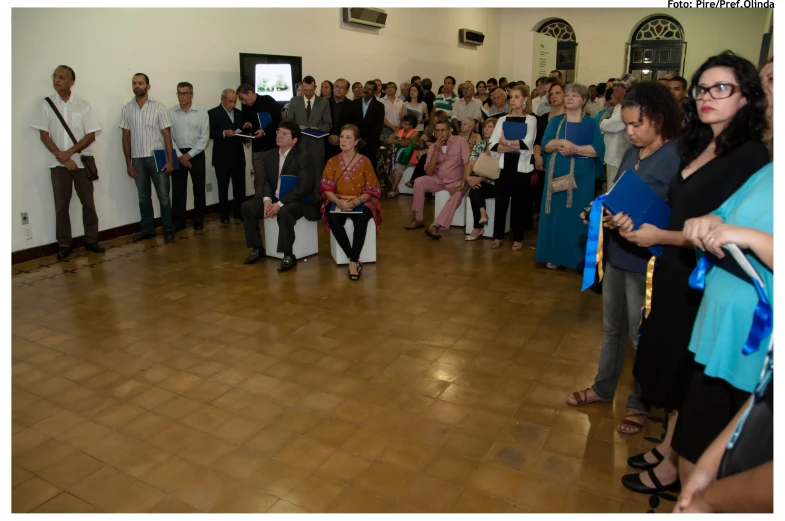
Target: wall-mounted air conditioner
(470,37)
(364,16)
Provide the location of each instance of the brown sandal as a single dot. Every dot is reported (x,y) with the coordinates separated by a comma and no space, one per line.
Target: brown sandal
(636,427)
(414,225)
(579,398)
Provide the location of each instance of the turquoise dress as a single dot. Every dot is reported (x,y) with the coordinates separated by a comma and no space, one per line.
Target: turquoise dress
(725,314)
(561,237)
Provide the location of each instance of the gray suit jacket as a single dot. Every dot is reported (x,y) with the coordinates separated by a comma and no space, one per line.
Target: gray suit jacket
(320,119)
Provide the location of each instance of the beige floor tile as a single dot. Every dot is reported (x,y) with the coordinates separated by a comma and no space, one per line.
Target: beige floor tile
(277,478)
(428,494)
(305,453)
(384,480)
(469,502)
(114,491)
(64,503)
(314,493)
(71,470)
(31,494)
(450,468)
(342,467)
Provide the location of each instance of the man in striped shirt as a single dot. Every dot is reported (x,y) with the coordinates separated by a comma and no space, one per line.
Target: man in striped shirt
(447,98)
(146,128)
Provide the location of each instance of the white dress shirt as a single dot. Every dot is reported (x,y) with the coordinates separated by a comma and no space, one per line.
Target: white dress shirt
(281,159)
(616,140)
(190,129)
(461,109)
(145,124)
(79,116)
(392,110)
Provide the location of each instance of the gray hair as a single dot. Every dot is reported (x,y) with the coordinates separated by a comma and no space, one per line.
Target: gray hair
(578,89)
(225,92)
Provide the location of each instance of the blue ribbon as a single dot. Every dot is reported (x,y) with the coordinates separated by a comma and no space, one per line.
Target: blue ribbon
(593,243)
(762,318)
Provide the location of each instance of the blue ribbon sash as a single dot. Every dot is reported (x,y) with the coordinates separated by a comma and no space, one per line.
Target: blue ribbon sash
(593,244)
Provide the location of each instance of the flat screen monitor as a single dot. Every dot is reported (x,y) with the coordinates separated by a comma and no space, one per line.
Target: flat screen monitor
(271,75)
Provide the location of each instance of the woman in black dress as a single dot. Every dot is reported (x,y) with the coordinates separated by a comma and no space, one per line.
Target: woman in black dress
(720,150)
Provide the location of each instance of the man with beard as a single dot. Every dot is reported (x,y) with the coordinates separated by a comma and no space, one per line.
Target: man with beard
(146,127)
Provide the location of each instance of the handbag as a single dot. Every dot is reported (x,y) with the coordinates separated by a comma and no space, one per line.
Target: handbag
(565,183)
(88,161)
(487,166)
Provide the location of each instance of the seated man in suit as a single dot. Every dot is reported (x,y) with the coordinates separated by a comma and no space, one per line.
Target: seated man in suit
(302,201)
(311,111)
(228,153)
(369,117)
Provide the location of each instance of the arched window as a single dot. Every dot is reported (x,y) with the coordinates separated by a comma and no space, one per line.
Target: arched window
(566,46)
(657,48)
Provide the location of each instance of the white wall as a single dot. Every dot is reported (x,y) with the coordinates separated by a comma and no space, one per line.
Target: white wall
(110,45)
(602,34)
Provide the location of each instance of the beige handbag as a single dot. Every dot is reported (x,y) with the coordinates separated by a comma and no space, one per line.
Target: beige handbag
(487,166)
(565,183)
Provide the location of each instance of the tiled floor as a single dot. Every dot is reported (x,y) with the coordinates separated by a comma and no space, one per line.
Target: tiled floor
(175,379)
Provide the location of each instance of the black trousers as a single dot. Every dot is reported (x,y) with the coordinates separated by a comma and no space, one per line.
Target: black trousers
(370,150)
(237,176)
(253,212)
(419,170)
(336,223)
(477,197)
(180,189)
(512,187)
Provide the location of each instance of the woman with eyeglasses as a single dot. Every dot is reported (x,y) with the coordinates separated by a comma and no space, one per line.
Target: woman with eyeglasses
(720,149)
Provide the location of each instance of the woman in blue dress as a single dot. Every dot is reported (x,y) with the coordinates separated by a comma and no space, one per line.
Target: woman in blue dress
(569,183)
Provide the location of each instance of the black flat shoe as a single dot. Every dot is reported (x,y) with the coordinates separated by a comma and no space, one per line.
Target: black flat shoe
(287,263)
(94,247)
(63,253)
(143,236)
(198,226)
(169,237)
(639,462)
(256,254)
(634,483)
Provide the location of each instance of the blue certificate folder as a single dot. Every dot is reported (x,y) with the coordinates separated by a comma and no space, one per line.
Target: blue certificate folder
(160,160)
(579,134)
(264,119)
(514,131)
(315,132)
(332,208)
(631,195)
(288,182)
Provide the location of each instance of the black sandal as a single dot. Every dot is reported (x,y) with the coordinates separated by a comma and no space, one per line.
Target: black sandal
(639,462)
(634,483)
(353,276)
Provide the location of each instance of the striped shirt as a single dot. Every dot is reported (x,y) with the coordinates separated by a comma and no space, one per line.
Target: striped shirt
(145,125)
(440,103)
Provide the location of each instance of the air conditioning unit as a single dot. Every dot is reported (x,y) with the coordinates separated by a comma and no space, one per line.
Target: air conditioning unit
(364,16)
(471,37)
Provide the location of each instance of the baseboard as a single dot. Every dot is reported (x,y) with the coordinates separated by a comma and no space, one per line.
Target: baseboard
(104,235)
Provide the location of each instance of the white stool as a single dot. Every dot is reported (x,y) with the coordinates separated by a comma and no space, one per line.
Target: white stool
(490,209)
(369,248)
(306,238)
(407,175)
(441,198)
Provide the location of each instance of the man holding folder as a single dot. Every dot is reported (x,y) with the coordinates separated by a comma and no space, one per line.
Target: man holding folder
(256,108)
(311,112)
(228,154)
(278,198)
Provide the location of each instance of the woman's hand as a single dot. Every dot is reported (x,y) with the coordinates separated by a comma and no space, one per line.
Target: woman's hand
(585,216)
(699,481)
(723,234)
(645,236)
(345,205)
(538,164)
(474,181)
(566,148)
(623,222)
(697,229)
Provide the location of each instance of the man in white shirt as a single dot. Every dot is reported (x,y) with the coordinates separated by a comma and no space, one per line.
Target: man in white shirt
(190,135)
(468,107)
(595,104)
(146,127)
(540,90)
(614,131)
(405,87)
(500,106)
(65,163)
(269,202)
(392,111)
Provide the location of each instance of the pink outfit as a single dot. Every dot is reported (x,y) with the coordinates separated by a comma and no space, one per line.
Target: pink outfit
(448,174)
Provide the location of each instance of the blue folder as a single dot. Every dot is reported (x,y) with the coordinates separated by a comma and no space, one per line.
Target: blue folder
(332,208)
(264,119)
(632,196)
(315,132)
(160,160)
(514,130)
(288,182)
(579,134)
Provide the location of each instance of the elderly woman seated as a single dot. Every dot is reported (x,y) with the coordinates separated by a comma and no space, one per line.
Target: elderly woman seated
(350,190)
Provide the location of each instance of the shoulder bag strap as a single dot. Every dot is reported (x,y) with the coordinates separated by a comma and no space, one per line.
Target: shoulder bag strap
(62,120)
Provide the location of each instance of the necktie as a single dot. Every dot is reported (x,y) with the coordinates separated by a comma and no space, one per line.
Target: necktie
(308,111)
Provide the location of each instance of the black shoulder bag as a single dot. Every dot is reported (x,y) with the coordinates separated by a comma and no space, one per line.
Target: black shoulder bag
(87,161)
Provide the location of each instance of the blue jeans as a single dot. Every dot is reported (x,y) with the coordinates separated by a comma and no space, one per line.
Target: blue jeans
(146,172)
(623,294)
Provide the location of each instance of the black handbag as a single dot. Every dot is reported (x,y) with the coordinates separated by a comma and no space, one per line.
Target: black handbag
(88,161)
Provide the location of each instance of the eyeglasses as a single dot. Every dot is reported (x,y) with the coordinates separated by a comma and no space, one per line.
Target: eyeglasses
(282,133)
(716,91)
(184,93)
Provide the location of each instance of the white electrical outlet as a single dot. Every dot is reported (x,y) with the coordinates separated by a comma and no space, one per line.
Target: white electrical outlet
(28,231)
